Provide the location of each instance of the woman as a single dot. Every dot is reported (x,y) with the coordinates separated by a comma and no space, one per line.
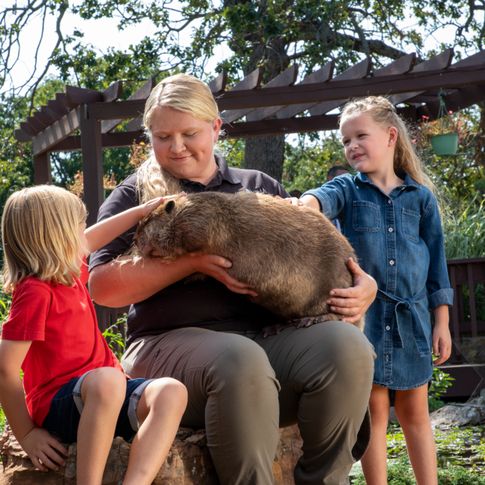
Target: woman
(242,386)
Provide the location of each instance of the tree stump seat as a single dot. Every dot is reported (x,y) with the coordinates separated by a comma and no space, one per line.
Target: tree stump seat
(188,462)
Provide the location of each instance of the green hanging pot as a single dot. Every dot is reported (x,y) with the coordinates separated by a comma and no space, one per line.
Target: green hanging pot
(445,144)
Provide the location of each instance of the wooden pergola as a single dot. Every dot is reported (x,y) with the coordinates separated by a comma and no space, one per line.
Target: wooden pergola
(89,120)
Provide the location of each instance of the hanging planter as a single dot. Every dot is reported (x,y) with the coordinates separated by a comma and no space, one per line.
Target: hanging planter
(444,132)
(445,143)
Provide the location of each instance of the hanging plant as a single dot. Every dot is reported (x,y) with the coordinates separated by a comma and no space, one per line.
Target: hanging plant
(445,132)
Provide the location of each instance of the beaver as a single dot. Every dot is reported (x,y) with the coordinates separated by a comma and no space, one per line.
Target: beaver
(291,256)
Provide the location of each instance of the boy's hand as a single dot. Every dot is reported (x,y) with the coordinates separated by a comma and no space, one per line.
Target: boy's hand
(152,204)
(44,450)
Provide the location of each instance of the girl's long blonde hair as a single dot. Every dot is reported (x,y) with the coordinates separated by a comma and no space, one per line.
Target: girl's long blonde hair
(383,112)
(41,235)
(184,93)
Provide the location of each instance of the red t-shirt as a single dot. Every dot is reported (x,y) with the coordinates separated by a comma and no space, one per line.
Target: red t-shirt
(66,342)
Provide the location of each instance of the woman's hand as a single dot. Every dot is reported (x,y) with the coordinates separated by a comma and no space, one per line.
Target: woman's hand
(43,449)
(216,267)
(353,302)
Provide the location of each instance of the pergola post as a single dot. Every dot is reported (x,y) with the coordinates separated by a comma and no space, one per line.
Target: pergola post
(42,168)
(92,155)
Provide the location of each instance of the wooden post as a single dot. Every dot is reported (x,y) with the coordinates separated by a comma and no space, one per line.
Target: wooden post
(92,154)
(42,168)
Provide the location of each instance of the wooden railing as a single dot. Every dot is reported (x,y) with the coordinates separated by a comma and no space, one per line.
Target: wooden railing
(467,325)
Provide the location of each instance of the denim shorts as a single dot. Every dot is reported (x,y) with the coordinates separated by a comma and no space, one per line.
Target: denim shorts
(63,418)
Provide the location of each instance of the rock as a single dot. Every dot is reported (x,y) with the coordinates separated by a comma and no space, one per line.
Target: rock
(188,462)
(460,414)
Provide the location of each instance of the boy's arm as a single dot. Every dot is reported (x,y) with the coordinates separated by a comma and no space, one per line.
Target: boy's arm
(43,449)
(101,233)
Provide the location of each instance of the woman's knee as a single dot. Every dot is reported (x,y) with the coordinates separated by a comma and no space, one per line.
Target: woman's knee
(242,360)
(342,345)
(106,385)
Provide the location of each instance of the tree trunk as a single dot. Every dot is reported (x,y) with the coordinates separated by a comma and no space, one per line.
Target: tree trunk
(266,153)
(188,462)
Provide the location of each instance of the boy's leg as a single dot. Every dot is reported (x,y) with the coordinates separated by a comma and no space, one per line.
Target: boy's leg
(159,411)
(374,461)
(232,393)
(325,372)
(412,411)
(102,392)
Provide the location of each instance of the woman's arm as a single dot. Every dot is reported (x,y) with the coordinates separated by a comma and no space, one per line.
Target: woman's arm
(43,449)
(127,280)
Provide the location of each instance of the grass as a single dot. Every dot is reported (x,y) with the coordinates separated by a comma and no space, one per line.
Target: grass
(461,457)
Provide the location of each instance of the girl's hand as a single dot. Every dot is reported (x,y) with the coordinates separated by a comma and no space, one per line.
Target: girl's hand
(44,450)
(216,266)
(441,342)
(293,201)
(353,302)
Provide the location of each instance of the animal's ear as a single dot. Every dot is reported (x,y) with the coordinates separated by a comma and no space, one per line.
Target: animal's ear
(170,206)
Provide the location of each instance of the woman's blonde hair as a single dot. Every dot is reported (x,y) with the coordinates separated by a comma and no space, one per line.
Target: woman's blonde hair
(184,93)
(40,235)
(383,112)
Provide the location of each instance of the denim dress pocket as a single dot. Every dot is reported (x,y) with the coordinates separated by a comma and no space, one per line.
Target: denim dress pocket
(366,216)
(410,224)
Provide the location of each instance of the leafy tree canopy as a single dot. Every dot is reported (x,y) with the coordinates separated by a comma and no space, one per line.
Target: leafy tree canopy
(188,35)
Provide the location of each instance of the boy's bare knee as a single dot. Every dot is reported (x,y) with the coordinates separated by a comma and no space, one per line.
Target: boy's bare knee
(105,385)
(167,391)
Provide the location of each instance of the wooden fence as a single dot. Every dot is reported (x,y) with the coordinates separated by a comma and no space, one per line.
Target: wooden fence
(467,325)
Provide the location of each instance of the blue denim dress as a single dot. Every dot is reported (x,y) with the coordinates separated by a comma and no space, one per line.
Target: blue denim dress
(399,241)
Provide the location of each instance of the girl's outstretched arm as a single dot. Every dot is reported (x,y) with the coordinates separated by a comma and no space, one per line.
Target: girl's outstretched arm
(101,233)
(43,449)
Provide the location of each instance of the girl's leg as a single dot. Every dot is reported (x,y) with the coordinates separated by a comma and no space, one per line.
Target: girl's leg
(160,410)
(374,461)
(412,412)
(103,392)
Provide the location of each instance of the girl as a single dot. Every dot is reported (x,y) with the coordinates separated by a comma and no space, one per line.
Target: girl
(391,218)
(74,386)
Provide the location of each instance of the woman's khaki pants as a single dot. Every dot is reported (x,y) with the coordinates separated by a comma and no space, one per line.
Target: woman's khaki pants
(243,387)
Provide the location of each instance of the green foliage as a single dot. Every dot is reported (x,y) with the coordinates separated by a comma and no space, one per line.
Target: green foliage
(464,228)
(307,163)
(115,336)
(440,383)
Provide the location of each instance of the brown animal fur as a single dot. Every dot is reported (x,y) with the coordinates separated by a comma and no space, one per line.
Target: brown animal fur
(291,256)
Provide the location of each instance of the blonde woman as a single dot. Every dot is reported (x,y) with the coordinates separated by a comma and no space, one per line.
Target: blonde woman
(390,215)
(209,335)
(73,388)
